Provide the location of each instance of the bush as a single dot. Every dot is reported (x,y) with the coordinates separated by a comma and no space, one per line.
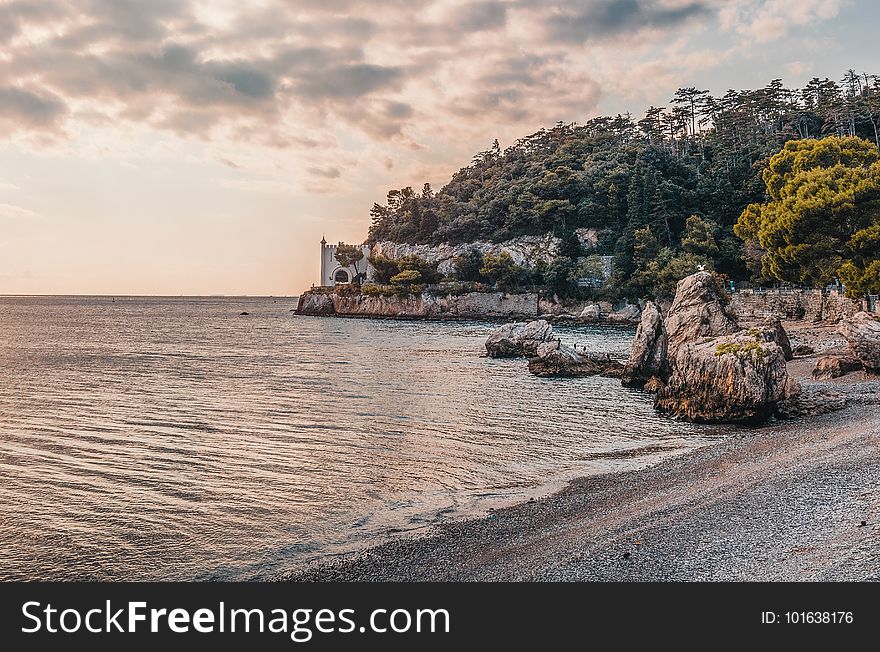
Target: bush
(384,268)
(504,272)
(407,277)
(468,265)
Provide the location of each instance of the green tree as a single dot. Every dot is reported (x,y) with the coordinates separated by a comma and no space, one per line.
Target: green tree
(407,277)
(468,265)
(824,206)
(349,256)
(384,267)
(699,237)
(503,271)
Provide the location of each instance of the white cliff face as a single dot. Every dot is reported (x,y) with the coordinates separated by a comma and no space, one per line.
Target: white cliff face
(525,250)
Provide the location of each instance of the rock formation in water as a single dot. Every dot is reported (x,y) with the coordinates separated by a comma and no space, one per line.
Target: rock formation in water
(702,365)
(557,360)
(835,366)
(315,303)
(731,378)
(698,310)
(518,339)
(591,313)
(648,353)
(862,333)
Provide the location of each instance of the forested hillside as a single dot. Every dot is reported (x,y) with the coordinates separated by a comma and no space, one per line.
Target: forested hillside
(639,181)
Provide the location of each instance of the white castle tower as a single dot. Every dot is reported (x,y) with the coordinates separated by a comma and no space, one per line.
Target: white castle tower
(332,273)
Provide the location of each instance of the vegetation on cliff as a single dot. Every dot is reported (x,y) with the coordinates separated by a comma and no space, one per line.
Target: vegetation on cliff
(664,191)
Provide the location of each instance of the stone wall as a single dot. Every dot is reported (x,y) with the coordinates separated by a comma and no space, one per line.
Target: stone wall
(810,305)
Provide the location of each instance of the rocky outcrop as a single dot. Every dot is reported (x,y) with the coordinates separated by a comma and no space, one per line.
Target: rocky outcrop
(773,331)
(518,339)
(591,313)
(472,305)
(737,378)
(835,366)
(802,350)
(557,360)
(628,314)
(862,333)
(697,311)
(315,303)
(525,250)
(702,366)
(648,353)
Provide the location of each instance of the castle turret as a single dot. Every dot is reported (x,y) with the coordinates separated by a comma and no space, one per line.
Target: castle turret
(323,262)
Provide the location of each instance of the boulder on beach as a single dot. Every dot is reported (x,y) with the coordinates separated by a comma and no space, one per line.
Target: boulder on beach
(648,353)
(835,366)
(738,378)
(702,366)
(518,339)
(802,350)
(592,312)
(698,310)
(629,314)
(862,333)
(557,360)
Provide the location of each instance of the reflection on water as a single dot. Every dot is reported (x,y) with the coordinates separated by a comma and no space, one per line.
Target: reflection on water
(174,438)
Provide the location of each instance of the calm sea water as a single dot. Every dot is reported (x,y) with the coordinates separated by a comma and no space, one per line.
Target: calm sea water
(173,438)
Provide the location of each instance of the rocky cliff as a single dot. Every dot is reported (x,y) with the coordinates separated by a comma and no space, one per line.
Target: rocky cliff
(473,305)
(525,250)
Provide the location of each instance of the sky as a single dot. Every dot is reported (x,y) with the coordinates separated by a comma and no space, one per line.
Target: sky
(189,147)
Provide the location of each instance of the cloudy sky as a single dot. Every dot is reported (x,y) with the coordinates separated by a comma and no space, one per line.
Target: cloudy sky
(204,146)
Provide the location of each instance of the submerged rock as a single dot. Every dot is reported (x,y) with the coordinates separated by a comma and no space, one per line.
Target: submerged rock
(557,360)
(698,310)
(862,333)
(518,339)
(737,378)
(835,366)
(648,353)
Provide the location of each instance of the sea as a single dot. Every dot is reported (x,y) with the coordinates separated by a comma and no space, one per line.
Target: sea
(176,438)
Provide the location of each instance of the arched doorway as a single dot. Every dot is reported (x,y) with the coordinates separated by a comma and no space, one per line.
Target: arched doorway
(341,276)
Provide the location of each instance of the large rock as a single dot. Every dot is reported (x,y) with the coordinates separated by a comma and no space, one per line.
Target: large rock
(556,360)
(648,353)
(737,378)
(518,339)
(862,333)
(773,331)
(315,303)
(835,366)
(699,310)
(591,313)
(629,314)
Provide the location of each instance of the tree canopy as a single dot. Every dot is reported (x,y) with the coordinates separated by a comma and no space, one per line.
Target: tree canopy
(822,218)
(700,158)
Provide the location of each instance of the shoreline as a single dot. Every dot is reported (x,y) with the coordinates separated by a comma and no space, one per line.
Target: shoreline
(786,501)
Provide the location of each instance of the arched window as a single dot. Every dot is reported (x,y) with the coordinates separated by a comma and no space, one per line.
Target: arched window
(341,276)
